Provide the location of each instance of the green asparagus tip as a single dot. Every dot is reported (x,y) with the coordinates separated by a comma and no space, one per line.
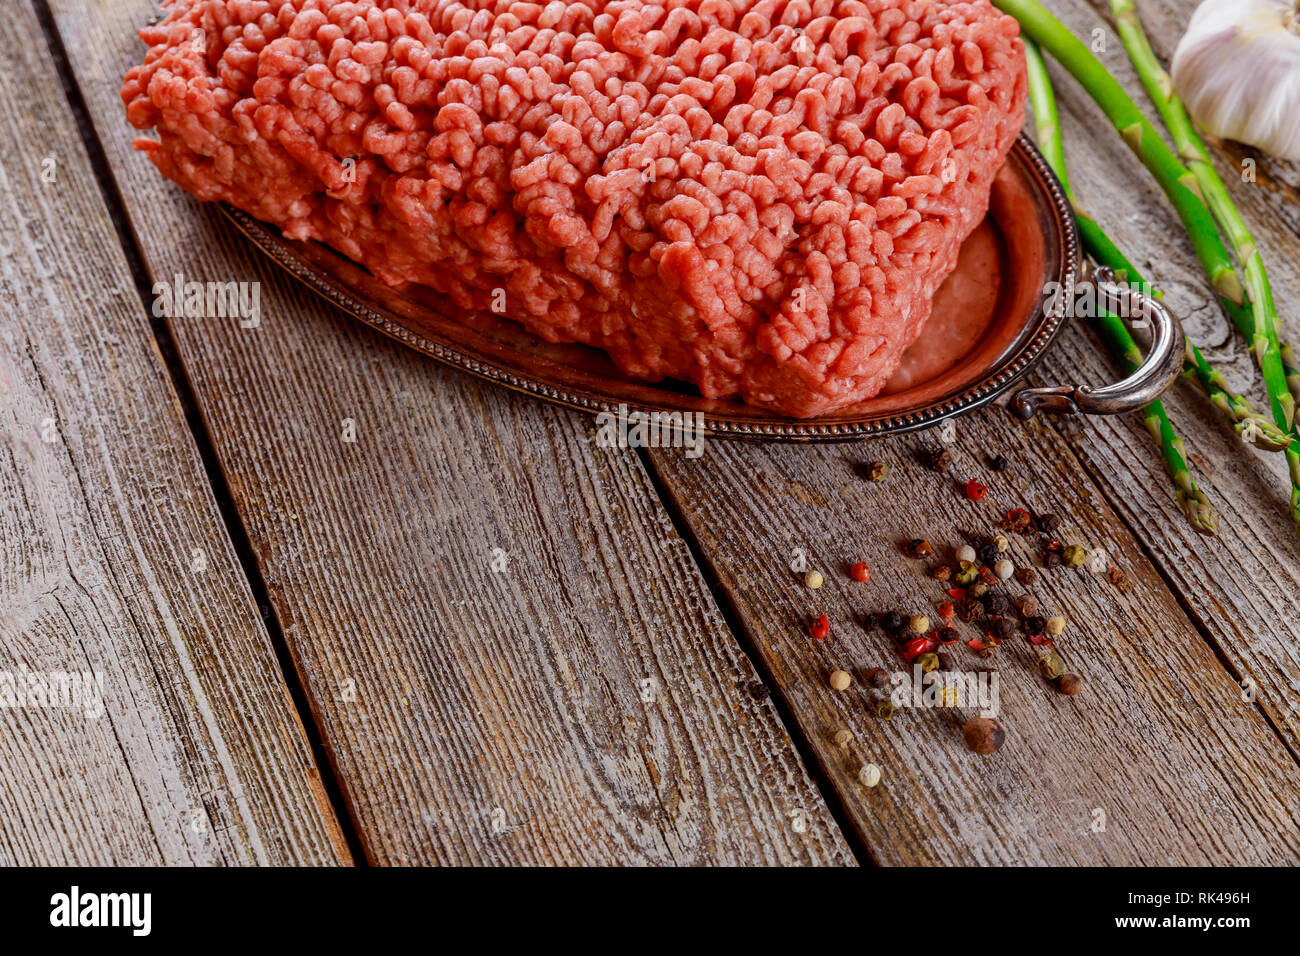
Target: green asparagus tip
(1200,513)
(1263,434)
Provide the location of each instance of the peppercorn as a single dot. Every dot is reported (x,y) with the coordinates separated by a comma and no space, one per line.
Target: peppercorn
(986,652)
(1056,625)
(1003,628)
(893,622)
(877,471)
(869,621)
(885,708)
(1070,684)
(759,691)
(1053,545)
(1027,605)
(1051,560)
(843,738)
(987,552)
(977,590)
(919,548)
(1074,555)
(941,572)
(877,678)
(928,661)
(821,628)
(984,735)
(840,680)
(967,572)
(987,576)
(1026,575)
(968,611)
(975,491)
(1118,578)
(999,463)
(1018,520)
(918,624)
(995,602)
(1048,523)
(966,554)
(869,775)
(1004,569)
(946,610)
(860,572)
(813,579)
(1051,665)
(1001,541)
(1034,624)
(937,459)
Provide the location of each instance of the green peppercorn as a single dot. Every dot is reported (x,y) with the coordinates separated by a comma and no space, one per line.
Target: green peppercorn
(877,471)
(1074,555)
(977,590)
(928,662)
(1051,665)
(885,709)
(967,572)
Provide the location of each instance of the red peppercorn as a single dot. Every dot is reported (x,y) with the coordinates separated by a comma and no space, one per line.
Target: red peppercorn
(860,572)
(821,628)
(975,491)
(946,610)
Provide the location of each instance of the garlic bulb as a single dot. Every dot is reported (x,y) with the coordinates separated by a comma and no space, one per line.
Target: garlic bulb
(1238,71)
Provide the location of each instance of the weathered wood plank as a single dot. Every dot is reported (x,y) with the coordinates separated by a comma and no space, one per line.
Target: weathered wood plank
(1242,587)
(583,703)
(115,560)
(1159,734)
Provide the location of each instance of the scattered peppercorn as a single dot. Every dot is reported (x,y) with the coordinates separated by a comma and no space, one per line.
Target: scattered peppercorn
(1070,684)
(946,610)
(813,579)
(999,463)
(885,708)
(918,624)
(1074,555)
(1034,624)
(945,660)
(1004,569)
(821,628)
(1027,605)
(840,680)
(1002,542)
(966,554)
(987,552)
(1018,520)
(1051,560)
(937,459)
(986,652)
(759,691)
(919,548)
(988,576)
(893,622)
(1026,575)
(877,471)
(928,661)
(1051,665)
(870,621)
(978,589)
(869,775)
(984,735)
(975,491)
(843,738)
(1003,628)
(1056,625)
(968,611)
(1053,546)
(995,602)
(877,678)
(941,572)
(967,572)
(1048,523)
(1118,578)
(860,572)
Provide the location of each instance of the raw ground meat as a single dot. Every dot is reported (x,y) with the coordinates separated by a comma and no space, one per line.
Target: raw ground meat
(757,196)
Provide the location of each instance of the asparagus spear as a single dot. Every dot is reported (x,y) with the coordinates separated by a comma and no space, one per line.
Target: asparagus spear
(1193,502)
(1192,150)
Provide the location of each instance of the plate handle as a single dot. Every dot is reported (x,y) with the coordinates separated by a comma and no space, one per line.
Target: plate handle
(1158,371)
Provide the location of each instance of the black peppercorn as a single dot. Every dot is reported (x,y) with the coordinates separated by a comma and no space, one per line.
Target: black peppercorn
(870,621)
(937,459)
(1048,523)
(1003,628)
(877,678)
(1035,625)
(947,635)
(893,622)
(987,552)
(984,735)
(945,660)
(1052,559)
(995,602)
(999,463)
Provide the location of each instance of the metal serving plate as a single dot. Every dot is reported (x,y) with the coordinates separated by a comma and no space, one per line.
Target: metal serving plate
(1027,241)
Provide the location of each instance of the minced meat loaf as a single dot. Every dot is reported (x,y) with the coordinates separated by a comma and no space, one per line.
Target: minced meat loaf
(757,196)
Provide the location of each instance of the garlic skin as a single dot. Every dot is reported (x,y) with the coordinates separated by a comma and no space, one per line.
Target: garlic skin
(1237,69)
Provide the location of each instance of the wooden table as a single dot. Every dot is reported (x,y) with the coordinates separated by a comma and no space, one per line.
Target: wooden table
(471,635)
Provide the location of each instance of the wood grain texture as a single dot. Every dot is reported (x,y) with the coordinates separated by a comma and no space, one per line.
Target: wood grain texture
(189,751)
(509,651)
(1159,759)
(1242,587)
